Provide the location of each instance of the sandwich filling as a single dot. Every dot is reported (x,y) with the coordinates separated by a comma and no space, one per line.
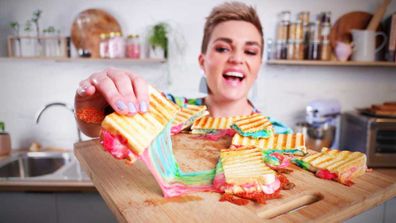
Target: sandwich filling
(341,166)
(255,126)
(242,172)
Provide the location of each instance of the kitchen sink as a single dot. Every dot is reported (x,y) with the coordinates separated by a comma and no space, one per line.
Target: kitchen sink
(33,164)
(41,165)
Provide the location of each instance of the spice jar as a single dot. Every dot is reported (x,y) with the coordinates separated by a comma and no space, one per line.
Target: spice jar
(133,47)
(104,46)
(5,141)
(304,18)
(325,48)
(282,35)
(314,42)
(116,45)
(298,50)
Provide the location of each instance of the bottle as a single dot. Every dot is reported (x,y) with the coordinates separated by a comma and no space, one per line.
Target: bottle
(314,41)
(133,47)
(5,141)
(304,17)
(116,45)
(104,46)
(282,35)
(325,48)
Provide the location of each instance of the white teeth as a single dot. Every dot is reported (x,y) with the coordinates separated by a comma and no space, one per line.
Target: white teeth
(234,74)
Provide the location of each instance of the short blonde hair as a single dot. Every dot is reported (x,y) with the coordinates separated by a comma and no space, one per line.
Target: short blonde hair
(230,11)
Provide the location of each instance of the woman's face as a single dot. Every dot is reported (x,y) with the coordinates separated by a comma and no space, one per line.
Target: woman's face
(232,60)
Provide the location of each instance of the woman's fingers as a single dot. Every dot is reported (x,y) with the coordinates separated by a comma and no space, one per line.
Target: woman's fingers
(141,91)
(107,87)
(123,84)
(126,92)
(85,88)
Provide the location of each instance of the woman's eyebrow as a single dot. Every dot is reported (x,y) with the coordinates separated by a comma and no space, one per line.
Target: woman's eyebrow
(229,41)
(225,39)
(252,43)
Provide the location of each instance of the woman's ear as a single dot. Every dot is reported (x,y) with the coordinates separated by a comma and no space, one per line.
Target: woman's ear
(201,61)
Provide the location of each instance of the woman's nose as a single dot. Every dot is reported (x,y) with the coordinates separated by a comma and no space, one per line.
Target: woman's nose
(236,57)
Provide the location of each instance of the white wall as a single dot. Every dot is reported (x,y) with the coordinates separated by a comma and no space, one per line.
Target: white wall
(284,91)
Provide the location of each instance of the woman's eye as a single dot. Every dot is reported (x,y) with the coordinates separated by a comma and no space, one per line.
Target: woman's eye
(221,49)
(251,52)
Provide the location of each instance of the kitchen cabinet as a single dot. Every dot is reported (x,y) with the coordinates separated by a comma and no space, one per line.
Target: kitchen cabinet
(53,207)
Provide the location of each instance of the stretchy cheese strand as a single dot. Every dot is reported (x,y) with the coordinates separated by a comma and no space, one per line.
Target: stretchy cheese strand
(160,160)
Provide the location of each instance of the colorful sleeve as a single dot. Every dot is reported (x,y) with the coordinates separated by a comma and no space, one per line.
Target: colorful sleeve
(182,101)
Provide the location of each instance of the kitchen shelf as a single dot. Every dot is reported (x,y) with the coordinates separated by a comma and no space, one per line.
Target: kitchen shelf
(331,63)
(77,59)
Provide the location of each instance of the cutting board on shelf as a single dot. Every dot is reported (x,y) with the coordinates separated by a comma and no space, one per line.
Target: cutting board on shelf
(87,27)
(133,195)
(341,30)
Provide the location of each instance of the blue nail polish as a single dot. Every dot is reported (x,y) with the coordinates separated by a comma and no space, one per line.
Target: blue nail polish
(121,105)
(132,107)
(143,106)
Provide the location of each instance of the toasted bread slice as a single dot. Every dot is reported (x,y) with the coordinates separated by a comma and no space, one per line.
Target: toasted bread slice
(277,141)
(187,115)
(346,165)
(245,165)
(207,124)
(255,126)
(140,129)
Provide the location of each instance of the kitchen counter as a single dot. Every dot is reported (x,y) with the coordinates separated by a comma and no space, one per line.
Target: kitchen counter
(67,178)
(133,195)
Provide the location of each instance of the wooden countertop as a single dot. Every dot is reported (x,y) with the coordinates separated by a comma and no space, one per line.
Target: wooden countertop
(133,195)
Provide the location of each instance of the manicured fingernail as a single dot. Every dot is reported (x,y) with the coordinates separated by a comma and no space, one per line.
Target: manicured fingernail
(143,106)
(132,107)
(121,105)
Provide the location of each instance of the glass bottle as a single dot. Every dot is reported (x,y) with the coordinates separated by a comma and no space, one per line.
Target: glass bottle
(282,35)
(325,48)
(304,17)
(314,41)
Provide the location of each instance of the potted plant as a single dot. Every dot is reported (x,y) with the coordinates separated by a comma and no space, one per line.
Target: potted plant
(158,40)
(18,46)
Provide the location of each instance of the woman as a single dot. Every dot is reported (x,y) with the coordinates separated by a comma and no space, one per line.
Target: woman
(231,55)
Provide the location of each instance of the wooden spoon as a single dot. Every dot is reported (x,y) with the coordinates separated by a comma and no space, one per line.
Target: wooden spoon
(375,21)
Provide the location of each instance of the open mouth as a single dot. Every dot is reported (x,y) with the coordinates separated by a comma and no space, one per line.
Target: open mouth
(234,76)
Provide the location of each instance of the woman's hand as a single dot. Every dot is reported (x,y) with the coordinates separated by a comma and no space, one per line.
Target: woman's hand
(124,91)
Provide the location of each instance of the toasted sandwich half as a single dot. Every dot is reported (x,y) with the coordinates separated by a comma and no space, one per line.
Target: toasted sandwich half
(342,166)
(186,116)
(295,141)
(140,129)
(212,125)
(246,172)
(255,126)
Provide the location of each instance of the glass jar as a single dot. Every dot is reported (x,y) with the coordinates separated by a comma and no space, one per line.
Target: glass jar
(104,45)
(116,45)
(314,42)
(133,47)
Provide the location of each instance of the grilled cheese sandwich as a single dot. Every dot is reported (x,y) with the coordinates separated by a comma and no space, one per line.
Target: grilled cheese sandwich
(140,129)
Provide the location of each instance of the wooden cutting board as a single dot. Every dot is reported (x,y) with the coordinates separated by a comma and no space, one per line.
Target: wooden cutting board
(133,195)
(341,30)
(87,27)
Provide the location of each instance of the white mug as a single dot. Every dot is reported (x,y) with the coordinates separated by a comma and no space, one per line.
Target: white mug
(364,44)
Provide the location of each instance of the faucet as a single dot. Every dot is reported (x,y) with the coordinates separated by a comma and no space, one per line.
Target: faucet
(68,107)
